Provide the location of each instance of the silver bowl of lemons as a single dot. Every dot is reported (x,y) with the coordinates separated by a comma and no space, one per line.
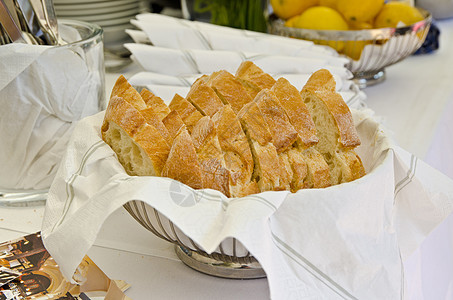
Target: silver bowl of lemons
(371,33)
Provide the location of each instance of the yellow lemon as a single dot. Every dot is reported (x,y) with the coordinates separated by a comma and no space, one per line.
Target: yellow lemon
(322,18)
(359,10)
(354,49)
(290,21)
(328,3)
(360,25)
(286,9)
(395,12)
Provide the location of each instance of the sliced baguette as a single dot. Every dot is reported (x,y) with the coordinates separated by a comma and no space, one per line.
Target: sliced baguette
(266,161)
(335,127)
(236,152)
(156,103)
(182,163)
(173,124)
(203,97)
(140,147)
(210,155)
(124,90)
(253,78)
(229,90)
(188,113)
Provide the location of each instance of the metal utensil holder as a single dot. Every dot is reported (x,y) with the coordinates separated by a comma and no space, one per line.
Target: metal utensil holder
(235,265)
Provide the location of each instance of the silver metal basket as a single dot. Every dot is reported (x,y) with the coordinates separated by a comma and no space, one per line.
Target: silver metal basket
(369,50)
(230,260)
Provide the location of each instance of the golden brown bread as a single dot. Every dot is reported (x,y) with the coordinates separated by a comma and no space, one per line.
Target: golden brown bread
(188,113)
(236,152)
(335,127)
(124,90)
(156,103)
(203,97)
(218,137)
(282,132)
(229,90)
(210,156)
(253,78)
(299,116)
(182,163)
(139,146)
(266,162)
(173,124)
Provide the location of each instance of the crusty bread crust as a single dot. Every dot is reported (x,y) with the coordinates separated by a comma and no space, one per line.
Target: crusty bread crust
(266,162)
(282,132)
(173,124)
(188,113)
(182,163)
(253,76)
(156,103)
(203,97)
(123,89)
(127,117)
(229,90)
(299,116)
(236,151)
(210,155)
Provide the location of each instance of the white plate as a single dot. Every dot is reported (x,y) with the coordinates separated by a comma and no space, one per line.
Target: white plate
(83,2)
(131,13)
(94,5)
(63,11)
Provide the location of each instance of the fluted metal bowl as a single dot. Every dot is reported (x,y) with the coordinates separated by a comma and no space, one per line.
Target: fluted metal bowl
(230,260)
(370,51)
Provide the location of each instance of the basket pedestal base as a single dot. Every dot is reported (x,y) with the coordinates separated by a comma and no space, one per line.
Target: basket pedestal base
(364,79)
(219,268)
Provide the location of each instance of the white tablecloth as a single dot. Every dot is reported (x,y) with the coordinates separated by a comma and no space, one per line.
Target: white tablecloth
(415,102)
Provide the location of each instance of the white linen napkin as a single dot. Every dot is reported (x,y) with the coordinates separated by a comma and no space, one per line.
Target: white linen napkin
(196,35)
(195,61)
(341,242)
(42,93)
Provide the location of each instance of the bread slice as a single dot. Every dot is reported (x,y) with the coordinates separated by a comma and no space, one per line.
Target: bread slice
(310,162)
(266,161)
(335,127)
(253,78)
(182,163)
(214,174)
(229,90)
(154,120)
(282,132)
(140,147)
(188,113)
(156,103)
(173,124)
(124,90)
(298,114)
(236,152)
(203,97)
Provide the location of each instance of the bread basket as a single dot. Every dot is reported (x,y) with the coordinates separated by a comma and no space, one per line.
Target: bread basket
(369,51)
(231,259)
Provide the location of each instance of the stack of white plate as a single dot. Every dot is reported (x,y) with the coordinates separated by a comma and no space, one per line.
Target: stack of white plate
(112,15)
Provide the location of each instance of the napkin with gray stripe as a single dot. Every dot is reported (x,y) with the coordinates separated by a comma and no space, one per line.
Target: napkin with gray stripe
(343,242)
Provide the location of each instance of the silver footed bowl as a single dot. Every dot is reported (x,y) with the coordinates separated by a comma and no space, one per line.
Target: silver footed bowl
(369,51)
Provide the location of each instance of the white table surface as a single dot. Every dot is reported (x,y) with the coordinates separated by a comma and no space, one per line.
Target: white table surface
(415,102)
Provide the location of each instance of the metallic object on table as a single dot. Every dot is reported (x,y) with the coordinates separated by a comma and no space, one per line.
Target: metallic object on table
(10,22)
(45,14)
(218,264)
(367,69)
(11,198)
